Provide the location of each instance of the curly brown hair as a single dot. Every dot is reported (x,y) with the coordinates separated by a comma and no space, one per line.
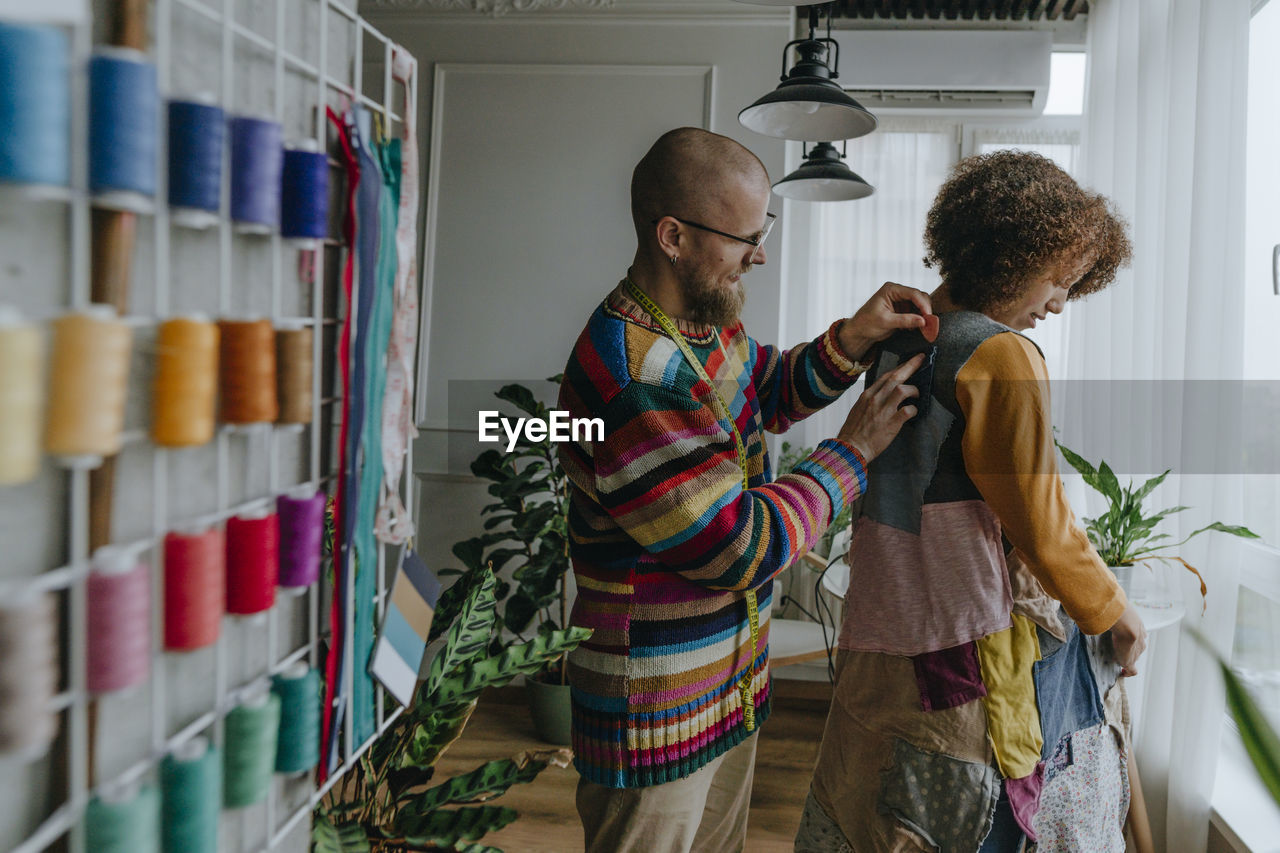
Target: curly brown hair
(1005,216)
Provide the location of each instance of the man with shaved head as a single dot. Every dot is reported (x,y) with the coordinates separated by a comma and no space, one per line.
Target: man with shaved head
(677,525)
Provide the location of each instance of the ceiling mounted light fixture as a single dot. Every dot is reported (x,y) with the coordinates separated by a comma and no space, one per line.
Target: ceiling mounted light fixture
(823,177)
(808,103)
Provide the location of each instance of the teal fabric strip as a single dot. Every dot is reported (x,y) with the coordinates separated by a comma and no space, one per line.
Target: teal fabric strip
(371,475)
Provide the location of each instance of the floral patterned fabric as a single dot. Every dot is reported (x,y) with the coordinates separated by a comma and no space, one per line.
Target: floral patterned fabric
(1085,796)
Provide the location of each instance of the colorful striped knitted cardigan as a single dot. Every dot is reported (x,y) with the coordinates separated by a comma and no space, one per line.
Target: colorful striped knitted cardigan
(664,539)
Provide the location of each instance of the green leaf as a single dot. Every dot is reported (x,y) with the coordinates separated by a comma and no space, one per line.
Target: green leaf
(533,522)
(447,827)
(522,398)
(452,599)
(348,838)
(1078,462)
(1149,486)
(1108,484)
(520,659)
(468,636)
(491,465)
(484,783)
(1233,529)
(471,552)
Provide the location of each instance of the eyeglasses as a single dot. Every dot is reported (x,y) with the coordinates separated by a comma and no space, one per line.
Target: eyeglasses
(757,241)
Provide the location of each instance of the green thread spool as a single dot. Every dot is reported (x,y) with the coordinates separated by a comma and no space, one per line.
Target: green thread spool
(250,742)
(298,746)
(191,789)
(123,819)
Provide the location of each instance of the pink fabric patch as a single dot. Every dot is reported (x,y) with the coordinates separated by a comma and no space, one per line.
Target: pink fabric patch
(1024,799)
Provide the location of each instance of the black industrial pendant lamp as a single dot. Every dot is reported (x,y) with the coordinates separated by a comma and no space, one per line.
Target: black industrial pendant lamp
(808,103)
(823,177)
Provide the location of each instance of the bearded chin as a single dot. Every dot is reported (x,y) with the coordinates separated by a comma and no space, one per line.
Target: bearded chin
(712,305)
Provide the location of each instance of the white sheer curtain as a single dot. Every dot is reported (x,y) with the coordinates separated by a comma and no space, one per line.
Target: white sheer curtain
(1164,137)
(859,245)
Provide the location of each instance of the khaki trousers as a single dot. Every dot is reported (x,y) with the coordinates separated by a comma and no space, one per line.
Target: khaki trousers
(702,813)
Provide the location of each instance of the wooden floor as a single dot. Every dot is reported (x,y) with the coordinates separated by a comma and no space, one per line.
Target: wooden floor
(548,820)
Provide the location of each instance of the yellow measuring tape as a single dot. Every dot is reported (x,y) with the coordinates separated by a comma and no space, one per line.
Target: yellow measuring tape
(753,609)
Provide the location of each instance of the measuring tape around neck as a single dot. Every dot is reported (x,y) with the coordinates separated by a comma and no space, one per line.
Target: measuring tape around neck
(753,609)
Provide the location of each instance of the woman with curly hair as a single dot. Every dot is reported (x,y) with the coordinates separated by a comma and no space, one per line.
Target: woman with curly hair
(974,705)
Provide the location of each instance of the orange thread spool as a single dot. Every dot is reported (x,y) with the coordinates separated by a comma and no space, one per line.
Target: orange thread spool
(21,361)
(247,371)
(89,373)
(294,366)
(186,382)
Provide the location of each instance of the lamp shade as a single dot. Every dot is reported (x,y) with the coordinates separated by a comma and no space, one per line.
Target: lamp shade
(823,177)
(808,103)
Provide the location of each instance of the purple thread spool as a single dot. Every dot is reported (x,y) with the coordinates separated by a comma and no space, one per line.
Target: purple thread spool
(257,160)
(301,533)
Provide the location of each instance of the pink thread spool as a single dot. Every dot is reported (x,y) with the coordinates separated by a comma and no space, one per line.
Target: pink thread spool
(301,536)
(119,590)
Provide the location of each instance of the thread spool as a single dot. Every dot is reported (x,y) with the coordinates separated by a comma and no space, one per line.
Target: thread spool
(197,133)
(301,536)
(257,161)
(124,110)
(119,630)
(247,371)
(294,373)
(186,382)
(298,743)
(253,562)
(21,363)
(123,819)
(35,105)
(251,730)
(89,371)
(195,588)
(28,675)
(304,193)
(191,798)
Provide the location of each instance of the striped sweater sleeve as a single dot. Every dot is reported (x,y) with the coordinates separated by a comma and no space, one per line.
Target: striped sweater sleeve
(1003,391)
(667,473)
(793,384)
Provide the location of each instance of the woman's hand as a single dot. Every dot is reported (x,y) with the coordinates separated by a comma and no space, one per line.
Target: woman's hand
(1128,640)
(889,310)
(875,418)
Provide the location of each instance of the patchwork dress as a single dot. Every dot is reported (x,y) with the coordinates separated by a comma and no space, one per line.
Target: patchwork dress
(969,662)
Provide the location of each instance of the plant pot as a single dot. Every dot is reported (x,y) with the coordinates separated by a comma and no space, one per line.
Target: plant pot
(1124,575)
(549,707)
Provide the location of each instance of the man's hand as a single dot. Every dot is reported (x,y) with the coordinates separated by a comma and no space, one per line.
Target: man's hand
(885,313)
(1129,640)
(875,418)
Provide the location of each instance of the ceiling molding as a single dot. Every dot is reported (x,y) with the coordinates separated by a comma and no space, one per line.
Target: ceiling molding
(598,10)
(493,8)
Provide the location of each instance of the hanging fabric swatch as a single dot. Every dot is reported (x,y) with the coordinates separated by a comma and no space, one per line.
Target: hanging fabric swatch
(406,625)
(394,524)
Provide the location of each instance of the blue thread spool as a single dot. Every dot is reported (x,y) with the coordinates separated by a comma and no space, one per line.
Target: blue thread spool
(35,105)
(257,160)
(197,132)
(304,192)
(124,110)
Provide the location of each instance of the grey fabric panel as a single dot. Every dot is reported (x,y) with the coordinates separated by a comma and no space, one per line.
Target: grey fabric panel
(818,833)
(949,802)
(924,464)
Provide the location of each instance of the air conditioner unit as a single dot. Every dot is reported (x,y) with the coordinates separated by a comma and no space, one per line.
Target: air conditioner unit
(977,72)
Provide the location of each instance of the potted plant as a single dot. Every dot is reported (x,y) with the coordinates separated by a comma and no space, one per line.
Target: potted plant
(528,523)
(1125,534)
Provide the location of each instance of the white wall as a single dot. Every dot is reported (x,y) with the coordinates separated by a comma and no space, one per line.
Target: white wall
(531,122)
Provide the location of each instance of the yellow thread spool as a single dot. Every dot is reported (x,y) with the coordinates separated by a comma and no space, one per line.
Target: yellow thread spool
(89,377)
(294,367)
(247,371)
(186,382)
(21,360)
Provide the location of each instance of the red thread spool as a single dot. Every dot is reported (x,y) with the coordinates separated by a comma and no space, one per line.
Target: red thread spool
(253,562)
(119,590)
(195,589)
